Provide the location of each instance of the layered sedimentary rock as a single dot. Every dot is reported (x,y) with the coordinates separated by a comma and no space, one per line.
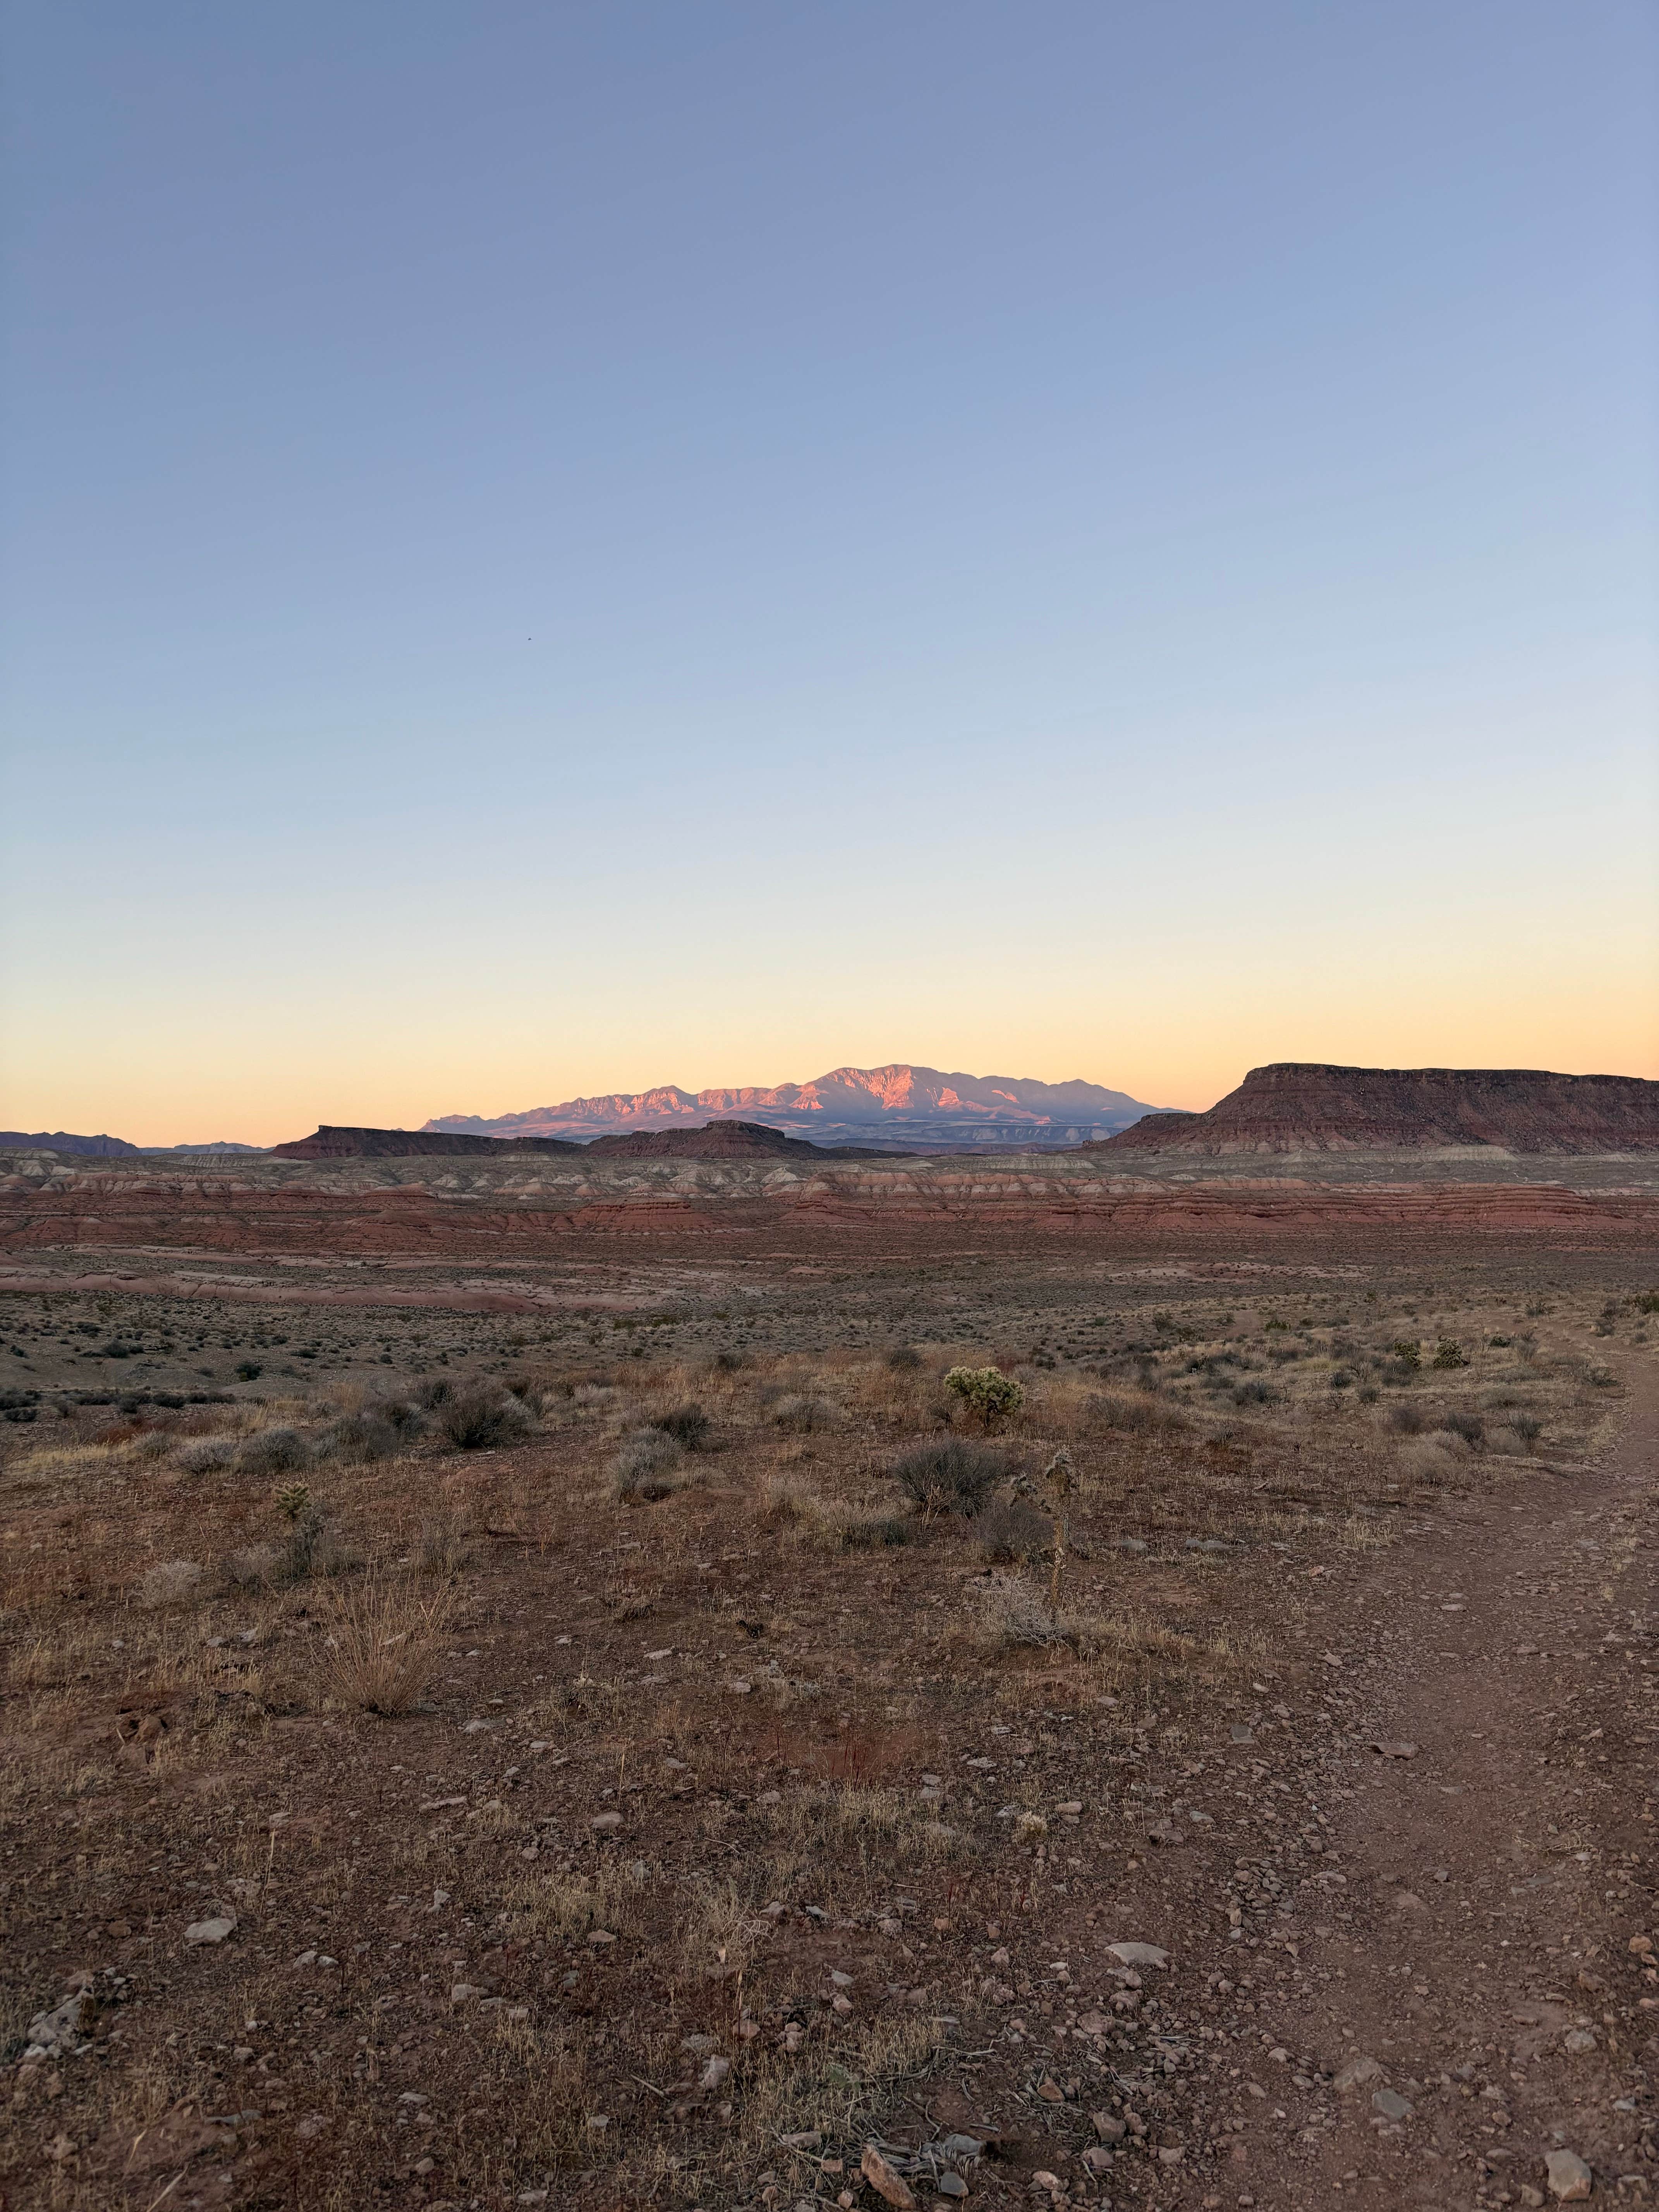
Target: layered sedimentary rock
(1295,1107)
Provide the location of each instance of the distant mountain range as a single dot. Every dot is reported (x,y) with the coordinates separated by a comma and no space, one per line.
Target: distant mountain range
(921,1108)
(104,1148)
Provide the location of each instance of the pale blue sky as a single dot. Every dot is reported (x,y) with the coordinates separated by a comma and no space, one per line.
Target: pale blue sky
(552,549)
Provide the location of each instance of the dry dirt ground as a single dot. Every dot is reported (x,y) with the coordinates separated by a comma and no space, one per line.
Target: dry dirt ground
(402,1805)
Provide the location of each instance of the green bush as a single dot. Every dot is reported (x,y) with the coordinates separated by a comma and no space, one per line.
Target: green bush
(1450,1353)
(1406,1351)
(987,1392)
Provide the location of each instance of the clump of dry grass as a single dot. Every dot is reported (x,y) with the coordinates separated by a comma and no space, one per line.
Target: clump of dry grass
(443,1547)
(170,1582)
(831,1524)
(384,1646)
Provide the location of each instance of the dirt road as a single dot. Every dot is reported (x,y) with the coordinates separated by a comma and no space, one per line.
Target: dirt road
(1453,1930)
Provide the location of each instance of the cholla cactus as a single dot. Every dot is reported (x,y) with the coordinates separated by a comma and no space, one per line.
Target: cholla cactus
(986,1391)
(292,1499)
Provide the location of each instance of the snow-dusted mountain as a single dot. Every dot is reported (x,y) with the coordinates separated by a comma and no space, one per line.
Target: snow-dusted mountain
(899,1105)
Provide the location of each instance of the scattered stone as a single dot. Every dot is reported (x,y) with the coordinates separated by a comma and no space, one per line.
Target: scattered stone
(1392,2105)
(1569,2179)
(210,1931)
(1241,1732)
(809,2139)
(606,1824)
(1138,1954)
(891,2187)
(464,1993)
(1165,1831)
(64,2028)
(1050,2091)
(1580,2039)
(1394,1749)
(1072,1810)
(714,2073)
(1108,2127)
(1358,2070)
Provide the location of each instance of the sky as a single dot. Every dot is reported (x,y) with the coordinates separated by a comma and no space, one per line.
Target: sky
(552,549)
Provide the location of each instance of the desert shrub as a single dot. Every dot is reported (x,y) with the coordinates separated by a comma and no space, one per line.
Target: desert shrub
(950,1476)
(248,1370)
(986,1392)
(1527,1427)
(647,1468)
(1407,1420)
(1256,1393)
(1406,1351)
(383,1647)
(1469,1426)
(800,1411)
(1341,1378)
(1009,1528)
(687,1424)
(436,1391)
(1647,1302)
(1448,1353)
(1010,1611)
(479,1417)
(1399,1371)
(252,1566)
(729,1363)
(206,1455)
(903,1359)
(876,1531)
(1432,1460)
(171,1582)
(1115,1409)
(359,1437)
(400,1414)
(273,1451)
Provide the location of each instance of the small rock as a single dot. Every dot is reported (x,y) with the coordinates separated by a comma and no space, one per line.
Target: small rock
(699,2046)
(809,2139)
(210,1931)
(606,1824)
(951,2185)
(1242,1733)
(891,2187)
(1394,1749)
(65,2027)
(1569,2177)
(1579,2039)
(464,1993)
(1358,2070)
(1108,2126)
(1138,1954)
(1392,2105)
(714,2073)
(1164,1832)
(1072,1809)
(1050,2092)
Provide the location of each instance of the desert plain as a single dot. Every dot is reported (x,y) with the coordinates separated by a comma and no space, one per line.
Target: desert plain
(526,1685)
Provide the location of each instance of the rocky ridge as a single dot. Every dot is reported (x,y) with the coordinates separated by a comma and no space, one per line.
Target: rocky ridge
(1296,1107)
